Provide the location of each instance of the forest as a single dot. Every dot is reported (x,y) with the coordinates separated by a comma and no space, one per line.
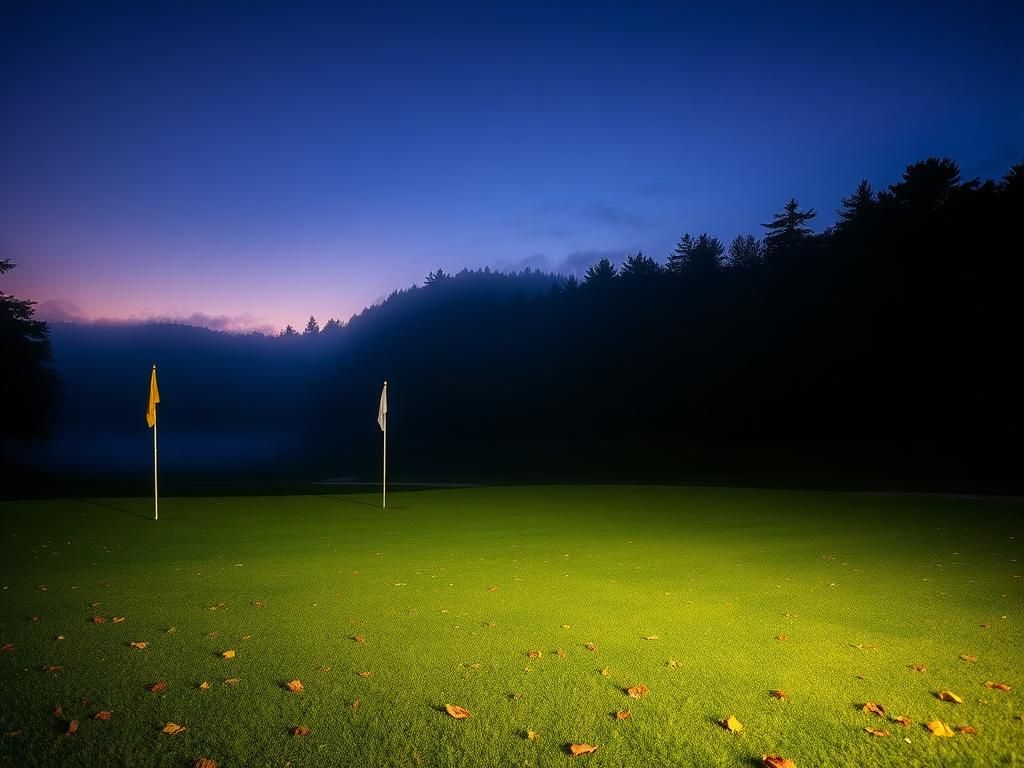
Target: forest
(884,350)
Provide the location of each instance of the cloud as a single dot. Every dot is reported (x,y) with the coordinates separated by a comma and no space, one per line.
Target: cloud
(576,263)
(536,261)
(615,216)
(60,311)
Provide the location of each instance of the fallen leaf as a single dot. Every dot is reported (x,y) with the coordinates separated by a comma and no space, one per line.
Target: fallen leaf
(949,696)
(581,749)
(984,626)
(300,730)
(590,647)
(782,637)
(228,654)
(7,648)
(566,626)
(103,714)
(171,630)
(997,686)
(324,669)
(232,681)
(259,603)
(457,712)
(294,686)
(140,645)
(532,735)
(774,761)
(650,637)
(173,729)
(605,672)
(560,653)
(365,674)
(204,686)
(94,605)
(356,705)
(873,709)
(968,729)
(53,669)
(492,589)
(638,691)
(903,720)
(781,695)
(118,619)
(672,664)
(732,724)
(864,646)
(359,638)
(876,731)
(939,728)
(533,654)
(99,619)
(918,668)
(968,657)
(623,714)
(159,687)
(72,727)
(204,762)
(58,711)
(59,637)
(36,618)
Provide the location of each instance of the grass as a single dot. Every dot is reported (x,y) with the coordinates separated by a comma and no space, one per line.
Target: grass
(451,589)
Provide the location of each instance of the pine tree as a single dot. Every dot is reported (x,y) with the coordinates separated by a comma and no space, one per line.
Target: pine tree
(788,229)
(640,266)
(745,252)
(312,327)
(600,274)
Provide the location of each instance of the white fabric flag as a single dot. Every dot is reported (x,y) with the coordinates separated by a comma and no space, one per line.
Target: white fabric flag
(382,411)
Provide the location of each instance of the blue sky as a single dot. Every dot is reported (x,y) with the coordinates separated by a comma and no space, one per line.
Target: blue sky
(247,165)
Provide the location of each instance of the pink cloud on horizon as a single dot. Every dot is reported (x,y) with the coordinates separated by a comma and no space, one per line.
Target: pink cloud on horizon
(60,311)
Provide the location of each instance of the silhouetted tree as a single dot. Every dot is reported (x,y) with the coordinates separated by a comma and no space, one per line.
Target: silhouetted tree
(744,252)
(640,267)
(788,230)
(856,207)
(288,332)
(927,185)
(29,388)
(312,327)
(331,326)
(680,257)
(436,277)
(600,274)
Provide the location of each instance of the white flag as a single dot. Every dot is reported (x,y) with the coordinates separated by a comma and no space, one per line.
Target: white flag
(382,411)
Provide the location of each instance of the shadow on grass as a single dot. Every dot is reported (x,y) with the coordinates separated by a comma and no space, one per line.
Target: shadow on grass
(93,502)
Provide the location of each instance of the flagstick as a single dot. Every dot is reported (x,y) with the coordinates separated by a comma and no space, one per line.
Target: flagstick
(384,483)
(156,496)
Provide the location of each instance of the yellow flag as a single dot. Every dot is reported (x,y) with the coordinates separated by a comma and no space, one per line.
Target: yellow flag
(154,398)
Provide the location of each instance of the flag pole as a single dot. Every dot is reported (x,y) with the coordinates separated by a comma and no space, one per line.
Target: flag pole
(156,496)
(384,477)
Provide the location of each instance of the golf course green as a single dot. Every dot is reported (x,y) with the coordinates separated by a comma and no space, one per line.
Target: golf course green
(535,609)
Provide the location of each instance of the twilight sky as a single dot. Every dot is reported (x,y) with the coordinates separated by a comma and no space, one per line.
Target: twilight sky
(245,165)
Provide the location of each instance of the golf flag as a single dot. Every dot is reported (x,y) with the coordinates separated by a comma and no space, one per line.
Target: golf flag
(154,398)
(382,422)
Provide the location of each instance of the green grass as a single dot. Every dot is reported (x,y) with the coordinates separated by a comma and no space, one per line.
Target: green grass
(715,574)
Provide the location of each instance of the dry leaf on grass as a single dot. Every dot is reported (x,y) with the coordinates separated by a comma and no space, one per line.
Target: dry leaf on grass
(782,637)
(672,664)
(876,731)
(997,686)
(903,720)
(365,674)
(492,589)
(590,646)
(968,657)
(732,724)
(650,637)
(581,749)
(72,727)
(140,645)
(118,619)
(560,653)
(774,761)
(359,638)
(532,735)
(873,709)
(918,668)
(103,714)
(605,672)
(939,728)
(533,654)
(232,681)
(623,714)
(58,711)
(967,729)
(204,762)
(300,730)
(159,687)
(457,712)
(53,669)
(637,691)
(7,648)
(228,654)
(356,705)
(294,686)
(173,729)
(99,619)
(949,696)
(780,695)
(204,685)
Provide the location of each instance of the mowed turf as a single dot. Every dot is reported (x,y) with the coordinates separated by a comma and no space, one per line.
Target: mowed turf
(711,598)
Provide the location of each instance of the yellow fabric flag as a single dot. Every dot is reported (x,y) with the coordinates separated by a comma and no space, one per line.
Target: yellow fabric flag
(154,398)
